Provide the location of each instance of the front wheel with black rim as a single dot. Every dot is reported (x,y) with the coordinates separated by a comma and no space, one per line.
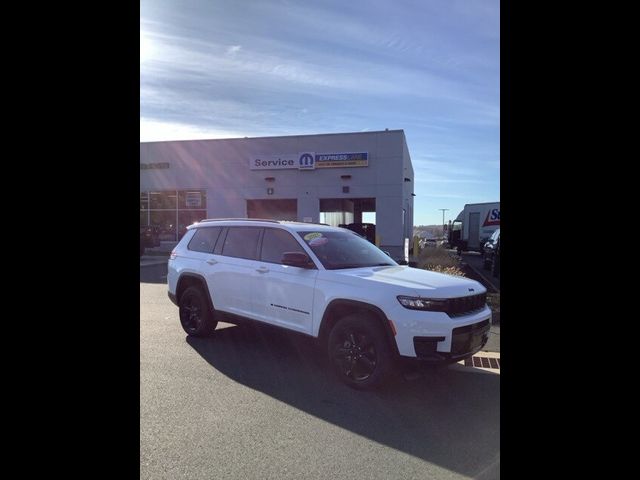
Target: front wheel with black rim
(196,317)
(359,352)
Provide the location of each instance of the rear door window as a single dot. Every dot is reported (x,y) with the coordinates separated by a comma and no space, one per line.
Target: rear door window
(242,242)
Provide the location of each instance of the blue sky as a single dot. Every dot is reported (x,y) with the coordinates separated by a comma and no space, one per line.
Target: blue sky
(224,69)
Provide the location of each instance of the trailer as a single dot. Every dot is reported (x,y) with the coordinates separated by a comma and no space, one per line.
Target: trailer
(473,226)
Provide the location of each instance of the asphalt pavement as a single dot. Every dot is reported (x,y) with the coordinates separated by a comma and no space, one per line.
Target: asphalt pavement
(261,403)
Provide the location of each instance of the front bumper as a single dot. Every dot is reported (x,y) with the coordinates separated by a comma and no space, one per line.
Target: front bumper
(465,341)
(436,337)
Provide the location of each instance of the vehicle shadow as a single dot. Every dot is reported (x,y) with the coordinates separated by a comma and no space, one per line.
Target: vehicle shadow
(445,417)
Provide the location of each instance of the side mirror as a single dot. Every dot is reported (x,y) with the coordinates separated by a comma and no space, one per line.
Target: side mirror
(296,259)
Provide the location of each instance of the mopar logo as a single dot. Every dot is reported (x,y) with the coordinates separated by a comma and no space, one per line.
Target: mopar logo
(306,161)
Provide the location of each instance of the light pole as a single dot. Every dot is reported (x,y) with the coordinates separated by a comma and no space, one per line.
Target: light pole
(443,210)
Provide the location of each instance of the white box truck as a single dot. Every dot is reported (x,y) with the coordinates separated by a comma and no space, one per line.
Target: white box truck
(473,226)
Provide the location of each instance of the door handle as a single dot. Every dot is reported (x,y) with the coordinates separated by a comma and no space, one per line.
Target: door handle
(262,270)
(212,261)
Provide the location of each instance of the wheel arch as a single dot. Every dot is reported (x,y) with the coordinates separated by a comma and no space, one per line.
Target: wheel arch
(187,280)
(341,307)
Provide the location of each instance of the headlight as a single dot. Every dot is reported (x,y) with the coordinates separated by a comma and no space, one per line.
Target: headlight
(418,303)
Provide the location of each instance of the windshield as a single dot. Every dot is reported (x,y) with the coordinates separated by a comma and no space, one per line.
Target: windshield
(337,250)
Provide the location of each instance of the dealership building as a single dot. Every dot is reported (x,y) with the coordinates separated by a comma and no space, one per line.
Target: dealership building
(342,178)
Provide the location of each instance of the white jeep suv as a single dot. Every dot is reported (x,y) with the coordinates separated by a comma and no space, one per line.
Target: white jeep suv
(365,309)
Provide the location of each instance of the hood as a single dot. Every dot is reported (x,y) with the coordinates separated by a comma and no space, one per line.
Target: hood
(423,283)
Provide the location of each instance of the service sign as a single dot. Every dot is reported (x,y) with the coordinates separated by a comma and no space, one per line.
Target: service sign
(309,161)
(274,162)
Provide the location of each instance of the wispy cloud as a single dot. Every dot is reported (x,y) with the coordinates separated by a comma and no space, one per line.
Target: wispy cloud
(156,131)
(233,50)
(219,69)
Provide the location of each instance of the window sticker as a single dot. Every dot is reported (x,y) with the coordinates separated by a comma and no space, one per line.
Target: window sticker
(318,241)
(310,236)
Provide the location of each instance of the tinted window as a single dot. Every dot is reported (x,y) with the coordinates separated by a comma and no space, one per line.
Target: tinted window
(241,242)
(220,242)
(275,242)
(204,239)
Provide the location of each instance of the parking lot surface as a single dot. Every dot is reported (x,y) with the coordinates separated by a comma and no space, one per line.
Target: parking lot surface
(256,402)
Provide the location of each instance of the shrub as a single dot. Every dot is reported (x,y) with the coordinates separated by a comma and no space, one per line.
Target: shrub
(440,260)
(448,270)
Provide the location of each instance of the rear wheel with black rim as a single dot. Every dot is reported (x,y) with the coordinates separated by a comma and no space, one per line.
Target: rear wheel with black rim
(359,352)
(196,317)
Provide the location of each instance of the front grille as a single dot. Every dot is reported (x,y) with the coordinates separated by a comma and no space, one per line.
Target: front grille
(466,305)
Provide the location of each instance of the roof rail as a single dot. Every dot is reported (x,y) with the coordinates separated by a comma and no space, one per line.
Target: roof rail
(304,223)
(239,220)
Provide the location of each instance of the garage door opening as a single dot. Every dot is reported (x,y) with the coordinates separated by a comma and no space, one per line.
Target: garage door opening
(282,209)
(341,211)
(357,214)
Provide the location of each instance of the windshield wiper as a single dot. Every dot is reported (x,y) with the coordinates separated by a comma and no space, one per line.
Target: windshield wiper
(349,265)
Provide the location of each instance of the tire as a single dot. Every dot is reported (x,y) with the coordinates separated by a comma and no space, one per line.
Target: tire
(196,317)
(360,335)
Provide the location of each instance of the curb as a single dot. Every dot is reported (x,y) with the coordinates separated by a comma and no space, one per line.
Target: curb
(461,367)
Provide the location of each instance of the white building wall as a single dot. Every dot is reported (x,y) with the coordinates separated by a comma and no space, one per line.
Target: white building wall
(221,167)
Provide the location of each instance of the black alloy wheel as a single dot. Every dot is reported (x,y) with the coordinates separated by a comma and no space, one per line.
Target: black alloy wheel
(354,354)
(195,315)
(359,352)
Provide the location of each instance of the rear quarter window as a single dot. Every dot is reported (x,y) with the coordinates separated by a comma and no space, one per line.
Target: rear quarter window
(204,239)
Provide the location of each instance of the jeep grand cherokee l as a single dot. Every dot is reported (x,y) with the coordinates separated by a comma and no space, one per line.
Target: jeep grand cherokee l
(365,309)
